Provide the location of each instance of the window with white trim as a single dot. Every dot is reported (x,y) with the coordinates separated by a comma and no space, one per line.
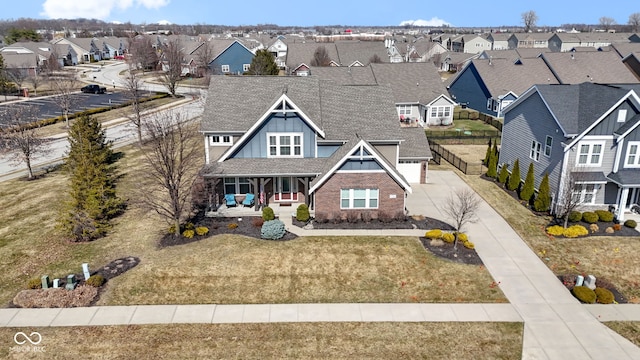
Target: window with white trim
(440,111)
(622,115)
(404,110)
(489,104)
(548,143)
(535,150)
(633,155)
(245,67)
(221,140)
(237,185)
(359,198)
(590,153)
(585,193)
(284,144)
(224,68)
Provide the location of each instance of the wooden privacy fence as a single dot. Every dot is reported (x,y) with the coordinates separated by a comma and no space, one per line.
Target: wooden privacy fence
(439,153)
(462,134)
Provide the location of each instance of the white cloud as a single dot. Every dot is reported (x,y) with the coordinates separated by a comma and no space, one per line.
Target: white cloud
(93,9)
(164,22)
(433,22)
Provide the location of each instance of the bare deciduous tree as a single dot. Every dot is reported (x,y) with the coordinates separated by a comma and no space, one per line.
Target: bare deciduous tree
(568,196)
(64,85)
(142,53)
(172,59)
(634,21)
(606,22)
(172,159)
(204,55)
(529,19)
(320,57)
(461,208)
(133,86)
(18,74)
(19,139)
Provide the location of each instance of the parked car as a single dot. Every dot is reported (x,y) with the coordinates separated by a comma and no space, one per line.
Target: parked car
(94,89)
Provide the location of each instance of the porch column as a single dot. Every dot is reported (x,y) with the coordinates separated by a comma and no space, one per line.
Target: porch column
(622,203)
(305,183)
(255,183)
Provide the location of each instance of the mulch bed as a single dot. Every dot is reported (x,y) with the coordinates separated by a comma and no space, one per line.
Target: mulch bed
(408,222)
(445,250)
(569,281)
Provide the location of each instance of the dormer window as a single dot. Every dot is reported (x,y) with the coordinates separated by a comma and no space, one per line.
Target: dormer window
(284,145)
(221,140)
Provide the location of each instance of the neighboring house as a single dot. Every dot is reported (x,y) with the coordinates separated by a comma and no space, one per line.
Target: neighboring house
(113,47)
(44,52)
(279,50)
(453,61)
(563,42)
(471,44)
(425,50)
(85,48)
(24,64)
(290,139)
(490,85)
(589,130)
(499,41)
(341,53)
(418,92)
(234,59)
(529,41)
(603,67)
(301,53)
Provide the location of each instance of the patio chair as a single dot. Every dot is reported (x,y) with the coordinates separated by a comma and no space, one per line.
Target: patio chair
(249,200)
(230,200)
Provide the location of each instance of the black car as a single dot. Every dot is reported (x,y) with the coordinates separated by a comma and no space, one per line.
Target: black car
(94,89)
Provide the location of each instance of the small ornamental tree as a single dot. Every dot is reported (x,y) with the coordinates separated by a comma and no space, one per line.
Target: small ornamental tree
(543,200)
(527,188)
(514,178)
(263,63)
(492,167)
(504,174)
(487,156)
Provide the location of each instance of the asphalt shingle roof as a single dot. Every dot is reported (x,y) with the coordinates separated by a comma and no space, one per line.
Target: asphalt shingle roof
(504,75)
(603,67)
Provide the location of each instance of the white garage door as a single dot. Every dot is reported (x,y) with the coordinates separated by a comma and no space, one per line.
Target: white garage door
(410,170)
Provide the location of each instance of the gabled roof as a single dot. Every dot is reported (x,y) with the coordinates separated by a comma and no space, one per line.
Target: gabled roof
(345,153)
(218,45)
(603,67)
(626,49)
(302,52)
(362,51)
(344,75)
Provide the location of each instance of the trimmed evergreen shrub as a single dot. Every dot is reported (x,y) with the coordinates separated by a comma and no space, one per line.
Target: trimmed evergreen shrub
(267,214)
(555,230)
(448,237)
(575,231)
(35,283)
(575,216)
(189,234)
(630,224)
(462,237)
(273,230)
(604,215)
(584,294)
(504,174)
(468,244)
(543,200)
(604,296)
(433,234)
(528,187)
(302,213)
(202,230)
(95,280)
(492,167)
(487,155)
(232,226)
(514,178)
(257,222)
(589,217)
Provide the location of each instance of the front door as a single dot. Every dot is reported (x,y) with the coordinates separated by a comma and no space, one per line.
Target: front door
(287,189)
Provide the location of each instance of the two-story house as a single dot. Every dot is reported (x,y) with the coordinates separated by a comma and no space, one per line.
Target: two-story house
(591,131)
(235,58)
(337,148)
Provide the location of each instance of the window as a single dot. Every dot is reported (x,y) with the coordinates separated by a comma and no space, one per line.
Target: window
(489,104)
(585,193)
(245,67)
(440,111)
(535,150)
(284,145)
(548,142)
(622,115)
(225,68)
(590,153)
(359,198)
(633,154)
(221,140)
(237,185)
(404,110)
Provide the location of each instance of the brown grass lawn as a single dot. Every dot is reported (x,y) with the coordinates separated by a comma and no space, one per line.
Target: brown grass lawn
(629,329)
(277,341)
(221,269)
(613,258)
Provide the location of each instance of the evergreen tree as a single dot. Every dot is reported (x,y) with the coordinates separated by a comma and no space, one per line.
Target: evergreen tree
(487,155)
(528,186)
(543,200)
(514,178)
(504,174)
(263,63)
(495,149)
(93,200)
(492,168)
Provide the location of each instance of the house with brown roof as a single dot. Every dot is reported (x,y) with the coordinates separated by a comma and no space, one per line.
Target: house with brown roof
(341,53)
(603,67)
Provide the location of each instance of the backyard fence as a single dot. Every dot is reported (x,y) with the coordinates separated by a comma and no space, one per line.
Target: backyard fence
(467,114)
(439,153)
(463,134)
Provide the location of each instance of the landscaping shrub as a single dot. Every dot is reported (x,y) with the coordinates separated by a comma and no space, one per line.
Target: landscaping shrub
(81,296)
(385,217)
(188,234)
(492,167)
(609,230)
(514,178)
(202,230)
(353,217)
(366,216)
(584,294)
(257,222)
(302,213)
(487,155)
(433,234)
(273,230)
(95,280)
(630,224)
(604,296)
(555,230)
(575,216)
(528,187)
(232,226)
(448,237)
(172,229)
(468,244)
(589,217)
(594,228)
(575,231)
(189,226)
(267,214)
(504,174)
(34,283)
(617,227)
(604,215)
(543,200)
(462,237)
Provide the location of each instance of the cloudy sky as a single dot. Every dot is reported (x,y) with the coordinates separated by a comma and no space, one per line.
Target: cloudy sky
(327,12)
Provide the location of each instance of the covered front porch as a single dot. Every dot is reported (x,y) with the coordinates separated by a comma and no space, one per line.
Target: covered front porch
(628,197)
(279,209)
